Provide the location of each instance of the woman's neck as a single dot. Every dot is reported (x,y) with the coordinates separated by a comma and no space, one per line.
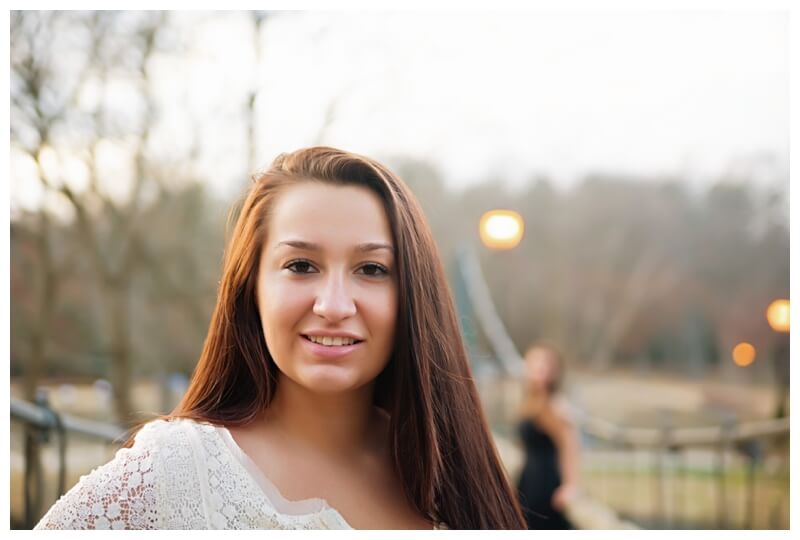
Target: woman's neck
(534,401)
(340,425)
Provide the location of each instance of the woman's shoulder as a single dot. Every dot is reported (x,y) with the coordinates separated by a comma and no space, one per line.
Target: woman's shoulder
(178,442)
(163,426)
(171,430)
(563,409)
(173,444)
(145,486)
(184,451)
(119,494)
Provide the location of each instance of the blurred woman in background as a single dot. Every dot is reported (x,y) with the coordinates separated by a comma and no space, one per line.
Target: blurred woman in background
(549,478)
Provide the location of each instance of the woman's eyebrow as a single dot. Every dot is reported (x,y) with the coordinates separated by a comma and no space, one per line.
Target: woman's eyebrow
(310,246)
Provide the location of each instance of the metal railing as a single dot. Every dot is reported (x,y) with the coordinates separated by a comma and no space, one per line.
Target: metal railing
(667,443)
(668,437)
(41,423)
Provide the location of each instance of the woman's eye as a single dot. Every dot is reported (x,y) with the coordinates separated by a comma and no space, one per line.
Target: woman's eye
(305,267)
(300,267)
(374,270)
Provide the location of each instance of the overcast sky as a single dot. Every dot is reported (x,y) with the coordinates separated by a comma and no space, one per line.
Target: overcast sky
(483,95)
(560,94)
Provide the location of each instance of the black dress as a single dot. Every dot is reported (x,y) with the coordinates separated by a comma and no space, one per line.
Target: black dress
(539,479)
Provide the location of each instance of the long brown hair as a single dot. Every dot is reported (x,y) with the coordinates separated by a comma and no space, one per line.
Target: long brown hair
(441,443)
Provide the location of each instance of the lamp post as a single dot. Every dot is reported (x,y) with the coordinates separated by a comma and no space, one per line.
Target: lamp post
(778,318)
(500,230)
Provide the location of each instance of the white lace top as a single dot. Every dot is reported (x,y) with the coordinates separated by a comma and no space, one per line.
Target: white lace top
(183,475)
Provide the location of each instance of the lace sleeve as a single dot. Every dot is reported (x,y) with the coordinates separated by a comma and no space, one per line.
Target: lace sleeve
(118,495)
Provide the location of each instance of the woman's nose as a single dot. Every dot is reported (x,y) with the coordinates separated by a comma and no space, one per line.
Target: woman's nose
(334,301)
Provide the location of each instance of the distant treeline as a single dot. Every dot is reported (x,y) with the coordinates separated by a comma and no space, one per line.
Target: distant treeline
(615,270)
(629,271)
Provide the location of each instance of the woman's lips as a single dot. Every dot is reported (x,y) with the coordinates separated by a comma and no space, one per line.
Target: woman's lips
(330,351)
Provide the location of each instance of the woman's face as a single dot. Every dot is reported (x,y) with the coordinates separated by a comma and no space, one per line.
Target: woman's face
(540,368)
(327,290)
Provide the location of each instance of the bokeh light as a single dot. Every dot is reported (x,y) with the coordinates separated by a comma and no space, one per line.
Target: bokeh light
(778,315)
(501,229)
(744,354)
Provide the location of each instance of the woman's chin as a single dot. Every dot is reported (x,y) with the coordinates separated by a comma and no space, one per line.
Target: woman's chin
(329,380)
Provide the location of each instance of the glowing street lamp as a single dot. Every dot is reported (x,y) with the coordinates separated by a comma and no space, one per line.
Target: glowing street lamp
(743,354)
(778,319)
(778,315)
(501,229)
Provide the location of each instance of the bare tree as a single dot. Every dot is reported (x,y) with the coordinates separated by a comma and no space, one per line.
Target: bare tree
(29,34)
(116,47)
(259,19)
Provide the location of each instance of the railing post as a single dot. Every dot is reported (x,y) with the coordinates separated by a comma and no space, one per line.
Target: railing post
(751,484)
(682,496)
(58,426)
(639,489)
(724,445)
(33,484)
(752,450)
(661,456)
(674,456)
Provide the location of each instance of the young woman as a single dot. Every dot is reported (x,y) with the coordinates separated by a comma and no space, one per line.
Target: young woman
(333,390)
(549,478)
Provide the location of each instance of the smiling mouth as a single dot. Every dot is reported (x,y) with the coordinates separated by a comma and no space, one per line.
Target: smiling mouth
(332,341)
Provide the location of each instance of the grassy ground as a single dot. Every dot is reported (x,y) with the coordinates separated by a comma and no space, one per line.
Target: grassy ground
(693,499)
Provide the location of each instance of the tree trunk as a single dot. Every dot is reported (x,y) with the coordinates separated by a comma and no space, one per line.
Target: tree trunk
(120,358)
(48,285)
